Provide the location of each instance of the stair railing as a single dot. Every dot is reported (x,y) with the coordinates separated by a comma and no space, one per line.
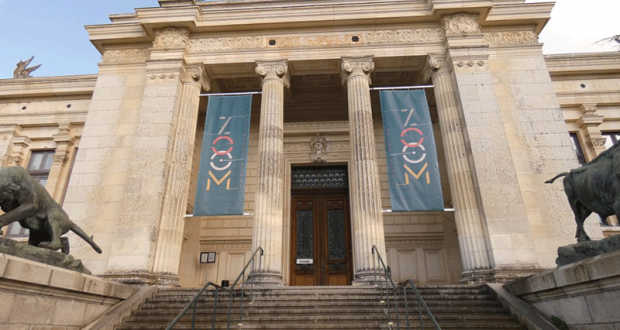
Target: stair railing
(240,277)
(421,303)
(218,288)
(386,283)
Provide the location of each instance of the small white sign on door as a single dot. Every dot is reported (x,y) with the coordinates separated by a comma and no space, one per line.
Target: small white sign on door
(305,261)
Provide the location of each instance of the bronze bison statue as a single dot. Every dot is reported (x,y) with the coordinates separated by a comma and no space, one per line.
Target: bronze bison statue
(594,187)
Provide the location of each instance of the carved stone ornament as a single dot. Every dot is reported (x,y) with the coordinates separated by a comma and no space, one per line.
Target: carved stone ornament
(510,38)
(195,75)
(170,37)
(461,24)
(588,109)
(128,55)
(23,71)
(14,161)
(356,67)
(597,142)
(318,149)
(60,159)
(274,71)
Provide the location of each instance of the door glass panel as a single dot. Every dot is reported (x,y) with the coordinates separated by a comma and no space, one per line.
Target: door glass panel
(305,234)
(336,234)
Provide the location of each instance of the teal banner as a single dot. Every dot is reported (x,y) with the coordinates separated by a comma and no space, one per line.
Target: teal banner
(411,154)
(224,156)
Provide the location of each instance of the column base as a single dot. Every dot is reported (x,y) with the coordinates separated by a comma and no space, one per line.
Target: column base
(265,279)
(369,278)
(500,275)
(139,277)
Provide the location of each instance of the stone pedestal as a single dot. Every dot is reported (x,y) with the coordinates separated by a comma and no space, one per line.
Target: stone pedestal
(268,214)
(366,213)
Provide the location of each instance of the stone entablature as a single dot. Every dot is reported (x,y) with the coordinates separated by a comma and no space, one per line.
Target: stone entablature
(244,16)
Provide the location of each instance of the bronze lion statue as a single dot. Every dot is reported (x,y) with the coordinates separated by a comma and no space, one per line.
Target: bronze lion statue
(25,200)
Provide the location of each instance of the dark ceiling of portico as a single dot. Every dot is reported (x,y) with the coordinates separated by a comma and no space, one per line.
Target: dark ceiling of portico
(316,92)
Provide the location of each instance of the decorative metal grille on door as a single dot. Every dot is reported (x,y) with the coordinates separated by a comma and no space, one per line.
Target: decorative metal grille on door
(317,177)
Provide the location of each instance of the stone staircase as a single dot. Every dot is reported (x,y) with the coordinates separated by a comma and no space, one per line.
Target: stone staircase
(454,307)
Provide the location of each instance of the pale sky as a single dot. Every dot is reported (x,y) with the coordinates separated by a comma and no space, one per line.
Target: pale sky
(53,31)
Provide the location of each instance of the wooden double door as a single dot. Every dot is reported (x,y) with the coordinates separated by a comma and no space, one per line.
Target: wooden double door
(321,237)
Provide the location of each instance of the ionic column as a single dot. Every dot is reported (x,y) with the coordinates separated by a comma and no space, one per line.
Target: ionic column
(366,213)
(268,213)
(467,216)
(170,234)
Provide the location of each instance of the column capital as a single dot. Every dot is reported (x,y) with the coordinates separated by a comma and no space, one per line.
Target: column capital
(436,65)
(357,67)
(277,70)
(195,75)
(461,24)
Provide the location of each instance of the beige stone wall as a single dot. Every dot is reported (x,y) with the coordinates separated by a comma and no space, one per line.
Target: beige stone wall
(540,147)
(96,189)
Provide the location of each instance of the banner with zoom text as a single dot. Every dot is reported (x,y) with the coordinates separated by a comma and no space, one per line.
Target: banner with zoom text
(223,160)
(411,154)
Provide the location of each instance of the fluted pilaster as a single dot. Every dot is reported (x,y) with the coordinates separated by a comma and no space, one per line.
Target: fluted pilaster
(268,213)
(366,213)
(170,235)
(467,215)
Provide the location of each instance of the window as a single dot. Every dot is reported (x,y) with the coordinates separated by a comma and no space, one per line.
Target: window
(611,138)
(39,168)
(577,148)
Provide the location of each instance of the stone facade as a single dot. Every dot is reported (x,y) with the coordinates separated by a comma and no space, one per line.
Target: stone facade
(127,141)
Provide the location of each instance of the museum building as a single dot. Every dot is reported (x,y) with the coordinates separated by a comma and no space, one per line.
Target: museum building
(120,150)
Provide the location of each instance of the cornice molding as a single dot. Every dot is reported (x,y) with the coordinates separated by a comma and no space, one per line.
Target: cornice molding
(306,14)
(47,86)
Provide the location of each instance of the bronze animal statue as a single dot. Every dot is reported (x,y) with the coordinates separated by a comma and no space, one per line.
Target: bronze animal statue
(25,200)
(22,70)
(594,187)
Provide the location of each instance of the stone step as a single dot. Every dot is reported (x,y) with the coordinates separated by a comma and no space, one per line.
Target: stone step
(454,307)
(275,304)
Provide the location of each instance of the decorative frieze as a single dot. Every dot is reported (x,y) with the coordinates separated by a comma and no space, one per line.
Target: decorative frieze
(170,38)
(226,43)
(394,36)
(510,38)
(127,55)
(403,36)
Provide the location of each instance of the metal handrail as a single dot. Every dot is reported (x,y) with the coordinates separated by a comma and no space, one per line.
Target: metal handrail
(388,280)
(420,300)
(218,288)
(421,304)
